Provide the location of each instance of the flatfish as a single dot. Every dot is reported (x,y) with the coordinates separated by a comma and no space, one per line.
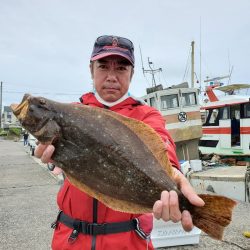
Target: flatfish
(120,161)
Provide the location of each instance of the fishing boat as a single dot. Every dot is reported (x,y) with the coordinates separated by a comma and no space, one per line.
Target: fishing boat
(180,108)
(226,132)
(226,121)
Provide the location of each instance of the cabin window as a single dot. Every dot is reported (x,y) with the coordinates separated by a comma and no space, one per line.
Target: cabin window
(235,112)
(203,116)
(152,102)
(208,143)
(247,110)
(212,118)
(169,101)
(189,99)
(224,113)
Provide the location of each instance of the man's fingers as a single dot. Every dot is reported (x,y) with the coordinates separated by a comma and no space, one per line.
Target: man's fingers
(47,153)
(187,189)
(40,149)
(186,221)
(157,209)
(165,205)
(174,214)
(57,170)
(167,208)
(190,194)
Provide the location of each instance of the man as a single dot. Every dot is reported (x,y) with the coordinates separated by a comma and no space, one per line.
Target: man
(25,138)
(112,68)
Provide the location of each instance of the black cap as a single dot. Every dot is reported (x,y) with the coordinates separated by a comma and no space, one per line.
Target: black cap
(113,45)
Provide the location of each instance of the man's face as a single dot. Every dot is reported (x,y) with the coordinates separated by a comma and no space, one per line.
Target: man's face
(111,76)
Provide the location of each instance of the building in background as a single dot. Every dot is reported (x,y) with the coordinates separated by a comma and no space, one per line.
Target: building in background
(8,118)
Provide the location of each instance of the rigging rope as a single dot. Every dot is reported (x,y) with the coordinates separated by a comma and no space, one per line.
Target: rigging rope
(187,66)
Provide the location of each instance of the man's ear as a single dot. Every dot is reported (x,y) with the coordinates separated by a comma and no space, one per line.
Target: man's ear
(91,67)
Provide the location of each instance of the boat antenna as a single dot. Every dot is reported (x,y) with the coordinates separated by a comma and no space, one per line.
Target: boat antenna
(187,66)
(152,71)
(230,74)
(141,61)
(230,68)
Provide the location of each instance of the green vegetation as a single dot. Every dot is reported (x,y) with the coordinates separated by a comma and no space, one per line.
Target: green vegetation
(11,133)
(15,131)
(3,132)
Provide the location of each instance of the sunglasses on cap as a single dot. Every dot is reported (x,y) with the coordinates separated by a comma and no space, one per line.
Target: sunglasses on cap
(115,41)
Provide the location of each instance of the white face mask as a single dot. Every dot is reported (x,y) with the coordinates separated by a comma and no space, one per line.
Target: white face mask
(110,104)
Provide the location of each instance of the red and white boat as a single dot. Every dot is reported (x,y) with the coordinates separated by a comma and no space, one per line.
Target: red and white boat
(226,121)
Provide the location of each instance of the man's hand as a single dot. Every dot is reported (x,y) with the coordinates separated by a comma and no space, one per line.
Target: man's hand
(44,152)
(167,208)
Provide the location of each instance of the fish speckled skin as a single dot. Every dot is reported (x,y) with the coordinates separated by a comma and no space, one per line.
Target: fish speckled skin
(119,161)
(107,156)
(95,148)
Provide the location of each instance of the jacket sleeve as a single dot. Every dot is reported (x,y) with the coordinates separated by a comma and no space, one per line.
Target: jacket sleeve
(157,122)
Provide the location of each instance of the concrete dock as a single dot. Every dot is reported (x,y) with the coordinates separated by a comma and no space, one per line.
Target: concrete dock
(27,200)
(227,181)
(28,206)
(230,182)
(233,173)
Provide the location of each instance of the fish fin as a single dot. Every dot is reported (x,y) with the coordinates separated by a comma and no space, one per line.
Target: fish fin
(20,110)
(214,216)
(115,204)
(149,137)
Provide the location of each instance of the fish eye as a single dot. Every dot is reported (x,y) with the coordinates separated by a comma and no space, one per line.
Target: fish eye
(42,101)
(31,108)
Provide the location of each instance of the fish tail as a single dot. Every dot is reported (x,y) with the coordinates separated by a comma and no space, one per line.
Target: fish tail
(214,216)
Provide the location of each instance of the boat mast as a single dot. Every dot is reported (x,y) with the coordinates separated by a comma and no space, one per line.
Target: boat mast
(192,65)
(151,71)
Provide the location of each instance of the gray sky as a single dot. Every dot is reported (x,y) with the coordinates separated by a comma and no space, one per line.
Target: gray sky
(45,46)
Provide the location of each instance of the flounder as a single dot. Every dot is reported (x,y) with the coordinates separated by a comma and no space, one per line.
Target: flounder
(120,161)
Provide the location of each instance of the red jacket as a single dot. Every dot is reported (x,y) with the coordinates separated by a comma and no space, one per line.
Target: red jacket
(79,205)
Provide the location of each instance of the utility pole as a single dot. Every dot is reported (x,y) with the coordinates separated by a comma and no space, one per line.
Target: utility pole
(1,101)
(192,65)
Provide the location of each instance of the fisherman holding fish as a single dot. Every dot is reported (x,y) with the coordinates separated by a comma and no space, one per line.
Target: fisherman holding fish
(85,222)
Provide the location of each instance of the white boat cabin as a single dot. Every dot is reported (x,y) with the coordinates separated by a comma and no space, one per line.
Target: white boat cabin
(181,111)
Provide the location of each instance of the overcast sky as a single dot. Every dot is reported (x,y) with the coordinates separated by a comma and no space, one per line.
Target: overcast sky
(45,46)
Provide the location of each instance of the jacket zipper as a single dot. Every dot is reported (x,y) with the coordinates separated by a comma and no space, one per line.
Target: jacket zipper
(95,208)
(95,211)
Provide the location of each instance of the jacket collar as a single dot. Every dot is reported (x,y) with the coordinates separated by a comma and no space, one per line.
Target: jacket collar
(110,104)
(90,99)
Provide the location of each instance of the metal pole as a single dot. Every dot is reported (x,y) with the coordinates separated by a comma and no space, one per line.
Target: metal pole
(192,64)
(152,72)
(1,100)
(200,55)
